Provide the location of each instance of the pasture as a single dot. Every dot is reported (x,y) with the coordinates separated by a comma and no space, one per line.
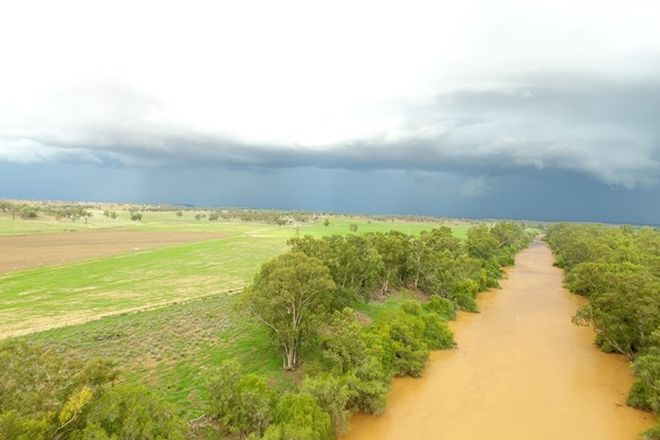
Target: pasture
(53,296)
(165,315)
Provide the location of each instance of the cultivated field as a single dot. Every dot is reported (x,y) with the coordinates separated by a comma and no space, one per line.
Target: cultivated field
(26,251)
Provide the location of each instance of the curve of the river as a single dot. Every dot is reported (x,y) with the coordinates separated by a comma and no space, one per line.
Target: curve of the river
(522,370)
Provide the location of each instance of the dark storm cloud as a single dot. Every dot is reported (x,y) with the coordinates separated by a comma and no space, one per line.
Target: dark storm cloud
(606,129)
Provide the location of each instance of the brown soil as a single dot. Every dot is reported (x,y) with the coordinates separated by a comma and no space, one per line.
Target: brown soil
(522,371)
(28,251)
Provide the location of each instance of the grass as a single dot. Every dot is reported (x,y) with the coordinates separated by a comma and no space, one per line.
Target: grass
(173,347)
(176,349)
(54,296)
(168,221)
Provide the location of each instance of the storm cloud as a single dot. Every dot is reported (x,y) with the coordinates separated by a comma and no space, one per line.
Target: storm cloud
(475,90)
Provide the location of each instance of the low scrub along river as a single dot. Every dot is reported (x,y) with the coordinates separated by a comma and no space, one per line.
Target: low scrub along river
(522,371)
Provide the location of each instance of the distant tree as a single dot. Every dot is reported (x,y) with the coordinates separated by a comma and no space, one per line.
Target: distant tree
(198,217)
(280,221)
(179,213)
(28,212)
(214,217)
(353,228)
(326,222)
(286,295)
(136,216)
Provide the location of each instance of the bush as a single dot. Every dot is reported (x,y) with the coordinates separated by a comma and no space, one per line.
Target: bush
(401,338)
(645,392)
(131,412)
(464,295)
(27,212)
(442,306)
(437,334)
(333,395)
(299,417)
(46,396)
(243,403)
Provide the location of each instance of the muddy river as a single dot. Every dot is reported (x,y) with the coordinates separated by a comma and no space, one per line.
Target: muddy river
(522,371)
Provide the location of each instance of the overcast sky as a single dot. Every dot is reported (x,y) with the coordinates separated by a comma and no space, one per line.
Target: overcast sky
(523,109)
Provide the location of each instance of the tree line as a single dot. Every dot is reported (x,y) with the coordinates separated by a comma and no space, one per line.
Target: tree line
(618,269)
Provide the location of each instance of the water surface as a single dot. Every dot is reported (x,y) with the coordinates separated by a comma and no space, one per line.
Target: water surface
(522,371)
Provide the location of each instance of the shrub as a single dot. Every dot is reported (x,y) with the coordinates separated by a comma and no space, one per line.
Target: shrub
(442,306)
(299,417)
(401,338)
(645,392)
(333,395)
(130,412)
(243,403)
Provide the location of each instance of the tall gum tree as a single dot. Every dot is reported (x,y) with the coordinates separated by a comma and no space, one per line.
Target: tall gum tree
(286,295)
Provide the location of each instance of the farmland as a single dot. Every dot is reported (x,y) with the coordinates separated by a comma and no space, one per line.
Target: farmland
(165,316)
(53,296)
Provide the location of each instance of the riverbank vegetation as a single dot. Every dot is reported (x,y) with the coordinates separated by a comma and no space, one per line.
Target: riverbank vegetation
(310,298)
(368,307)
(618,270)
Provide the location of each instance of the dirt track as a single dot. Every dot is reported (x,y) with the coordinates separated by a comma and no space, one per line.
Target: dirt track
(28,251)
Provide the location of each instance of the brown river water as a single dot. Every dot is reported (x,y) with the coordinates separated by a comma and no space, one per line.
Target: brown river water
(522,370)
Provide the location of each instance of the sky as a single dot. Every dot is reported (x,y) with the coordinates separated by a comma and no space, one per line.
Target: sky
(509,109)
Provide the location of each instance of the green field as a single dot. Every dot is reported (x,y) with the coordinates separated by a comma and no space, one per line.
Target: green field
(53,296)
(187,323)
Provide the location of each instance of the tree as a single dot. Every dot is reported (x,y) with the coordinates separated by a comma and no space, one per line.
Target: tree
(393,249)
(130,412)
(326,222)
(355,356)
(401,339)
(333,395)
(27,212)
(179,213)
(286,295)
(353,228)
(42,394)
(243,403)
(481,243)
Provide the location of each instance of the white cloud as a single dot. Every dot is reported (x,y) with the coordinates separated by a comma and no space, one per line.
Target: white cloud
(395,84)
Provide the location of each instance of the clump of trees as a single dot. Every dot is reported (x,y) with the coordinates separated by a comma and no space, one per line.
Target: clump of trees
(26,211)
(46,396)
(321,275)
(304,296)
(618,269)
